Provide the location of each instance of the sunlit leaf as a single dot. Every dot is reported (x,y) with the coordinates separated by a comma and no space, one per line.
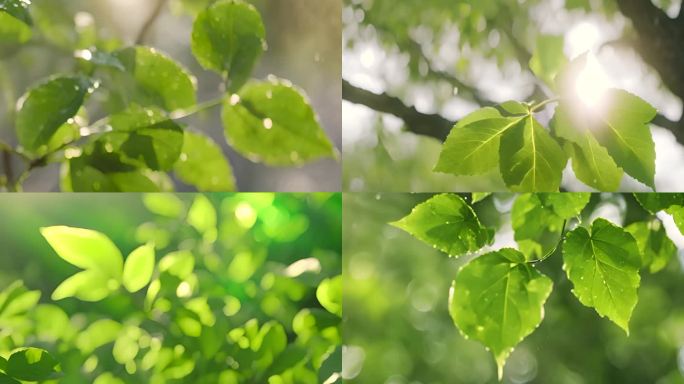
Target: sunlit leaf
(202,216)
(138,268)
(88,285)
(656,248)
(164,204)
(203,164)
(329,294)
(273,122)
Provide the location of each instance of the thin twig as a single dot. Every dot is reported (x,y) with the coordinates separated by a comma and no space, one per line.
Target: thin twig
(145,29)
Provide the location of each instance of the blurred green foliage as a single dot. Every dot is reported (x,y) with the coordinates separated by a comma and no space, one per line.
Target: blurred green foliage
(245,288)
(398,330)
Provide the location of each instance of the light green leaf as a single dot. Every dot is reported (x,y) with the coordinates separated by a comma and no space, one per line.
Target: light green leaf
(479,196)
(566,204)
(472,146)
(228,37)
(498,300)
(593,165)
(88,285)
(548,58)
(85,249)
(604,268)
(329,294)
(179,264)
(203,164)
(272,122)
(126,345)
(15,300)
(138,268)
(145,137)
(677,213)
(331,369)
(202,216)
(531,160)
(447,223)
(164,204)
(108,378)
(656,248)
(159,80)
(513,107)
(31,364)
(97,334)
(46,107)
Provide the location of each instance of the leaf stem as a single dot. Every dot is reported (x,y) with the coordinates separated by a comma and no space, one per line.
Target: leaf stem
(197,108)
(543,104)
(551,252)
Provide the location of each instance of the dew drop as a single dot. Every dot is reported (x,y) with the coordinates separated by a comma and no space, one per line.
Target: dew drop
(268,124)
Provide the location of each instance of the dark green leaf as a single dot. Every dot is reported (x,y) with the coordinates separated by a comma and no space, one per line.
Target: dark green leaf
(656,202)
(537,227)
(19,9)
(272,122)
(31,364)
(47,106)
(228,37)
(331,369)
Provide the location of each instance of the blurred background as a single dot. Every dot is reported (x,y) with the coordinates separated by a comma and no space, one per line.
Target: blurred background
(303,46)
(448,58)
(264,262)
(397,329)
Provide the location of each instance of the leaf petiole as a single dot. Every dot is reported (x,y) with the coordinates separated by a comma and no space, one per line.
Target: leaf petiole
(543,104)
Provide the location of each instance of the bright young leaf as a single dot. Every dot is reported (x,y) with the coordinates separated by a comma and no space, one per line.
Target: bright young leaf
(138,268)
(656,248)
(537,227)
(164,204)
(566,205)
(498,299)
(203,164)
(273,122)
(47,106)
(329,294)
(228,37)
(31,364)
(15,300)
(85,249)
(158,79)
(88,285)
(447,223)
(603,265)
(97,334)
(202,215)
(592,164)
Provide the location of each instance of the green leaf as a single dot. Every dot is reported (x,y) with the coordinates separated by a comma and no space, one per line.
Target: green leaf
(593,165)
(479,196)
(108,378)
(85,249)
(472,146)
(656,248)
(537,227)
(677,213)
(31,364)
(138,268)
(202,216)
(88,285)
(46,107)
(498,300)
(331,369)
(272,122)
(604,268)
(15,23)
(164,204)
(126,345)
(329,294)
(512,107)
(567,204)
(203,164)
(15,300)
(4,379)
(228,37)
(159,80)
(531,160)
(145,137)
(179,264)
(101,171)
(98,333)
(19,9)
(548,58)
(656,202)
(447,223)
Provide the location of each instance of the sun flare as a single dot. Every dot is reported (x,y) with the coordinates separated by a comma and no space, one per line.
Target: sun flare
(592,83)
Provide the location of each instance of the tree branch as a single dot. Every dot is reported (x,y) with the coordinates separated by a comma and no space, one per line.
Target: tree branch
(145,29)
(432,125)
